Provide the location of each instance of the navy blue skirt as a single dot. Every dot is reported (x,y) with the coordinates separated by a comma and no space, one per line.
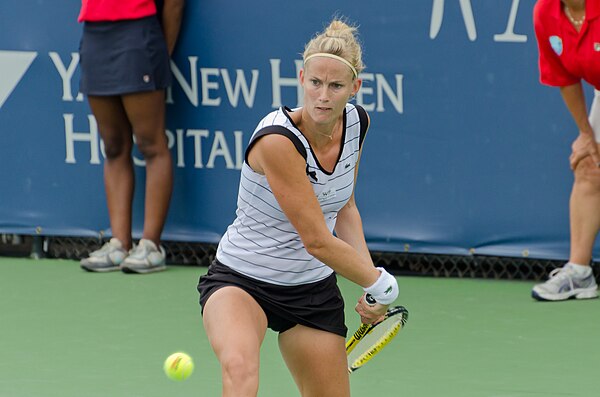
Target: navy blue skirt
(123,57)
(316,305)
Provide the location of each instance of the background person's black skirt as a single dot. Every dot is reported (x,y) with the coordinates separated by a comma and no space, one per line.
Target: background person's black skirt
(123,57)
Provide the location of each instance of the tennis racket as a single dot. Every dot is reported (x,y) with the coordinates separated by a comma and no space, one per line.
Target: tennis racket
(369,339)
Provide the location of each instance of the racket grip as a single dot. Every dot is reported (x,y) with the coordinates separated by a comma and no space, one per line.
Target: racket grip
(370,300)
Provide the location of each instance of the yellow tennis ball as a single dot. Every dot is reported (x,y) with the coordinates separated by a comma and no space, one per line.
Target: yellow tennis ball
(178,366)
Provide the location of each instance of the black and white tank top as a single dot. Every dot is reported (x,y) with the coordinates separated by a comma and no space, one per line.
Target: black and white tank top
(261,243)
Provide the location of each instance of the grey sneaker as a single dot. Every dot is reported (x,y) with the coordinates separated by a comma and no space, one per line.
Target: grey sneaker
(146,257)
(106,259)
(564,284)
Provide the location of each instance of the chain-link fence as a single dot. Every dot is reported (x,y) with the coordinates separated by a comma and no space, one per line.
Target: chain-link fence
(201,254)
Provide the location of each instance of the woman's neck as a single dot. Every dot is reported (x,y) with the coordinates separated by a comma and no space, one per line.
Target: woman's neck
(320,135)
(575,5)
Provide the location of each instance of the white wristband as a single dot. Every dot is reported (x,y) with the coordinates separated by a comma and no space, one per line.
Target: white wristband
(385,290)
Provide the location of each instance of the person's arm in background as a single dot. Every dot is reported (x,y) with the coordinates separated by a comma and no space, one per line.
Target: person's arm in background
(585,144)
(553,73)
(171,16)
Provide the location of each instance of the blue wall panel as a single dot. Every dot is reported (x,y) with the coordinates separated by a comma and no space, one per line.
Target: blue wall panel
(467,152)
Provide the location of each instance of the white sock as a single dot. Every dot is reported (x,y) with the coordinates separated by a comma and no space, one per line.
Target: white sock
(580,270)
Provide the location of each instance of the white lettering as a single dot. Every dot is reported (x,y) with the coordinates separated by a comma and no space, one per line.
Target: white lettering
(219,148)
(66,74)
(509,34)
(278,82)
(190,89)
(175,141)
(71,137)
(180,152)
(396,98)
(208,85)
(240,84)
(198,135)
(437,16)
(239,149)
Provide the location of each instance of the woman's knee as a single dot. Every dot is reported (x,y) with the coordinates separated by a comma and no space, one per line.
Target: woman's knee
(117,148)
(238,366)
(152,147)
(587,176)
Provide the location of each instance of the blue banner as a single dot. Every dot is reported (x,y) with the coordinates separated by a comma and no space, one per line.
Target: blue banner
(467,153)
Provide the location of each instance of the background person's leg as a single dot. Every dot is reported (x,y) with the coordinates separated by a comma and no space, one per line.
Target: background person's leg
(146,112)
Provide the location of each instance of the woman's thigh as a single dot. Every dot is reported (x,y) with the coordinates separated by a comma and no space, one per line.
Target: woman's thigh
(235,324)
(317,361)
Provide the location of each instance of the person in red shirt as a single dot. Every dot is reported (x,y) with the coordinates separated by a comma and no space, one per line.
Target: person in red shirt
(124,58)
(568,36)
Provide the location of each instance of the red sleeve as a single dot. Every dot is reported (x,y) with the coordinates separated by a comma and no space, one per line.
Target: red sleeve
(552,71)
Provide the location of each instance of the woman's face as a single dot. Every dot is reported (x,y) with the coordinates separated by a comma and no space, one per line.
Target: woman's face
(328,85)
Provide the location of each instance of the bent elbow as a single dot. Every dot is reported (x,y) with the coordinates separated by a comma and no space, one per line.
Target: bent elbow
(316,245)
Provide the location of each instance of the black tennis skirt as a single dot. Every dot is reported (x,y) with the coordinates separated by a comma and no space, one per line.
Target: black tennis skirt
(123,57)
(317,305)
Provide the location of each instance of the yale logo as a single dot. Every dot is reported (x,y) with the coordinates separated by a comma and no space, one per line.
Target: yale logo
(13,65)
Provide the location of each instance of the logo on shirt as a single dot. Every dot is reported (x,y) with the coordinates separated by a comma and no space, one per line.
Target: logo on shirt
(327,194)
(556,44)
(597,47)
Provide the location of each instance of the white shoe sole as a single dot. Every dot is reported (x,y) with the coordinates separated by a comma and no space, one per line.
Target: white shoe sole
(142,270)
(581,293)
(91,268)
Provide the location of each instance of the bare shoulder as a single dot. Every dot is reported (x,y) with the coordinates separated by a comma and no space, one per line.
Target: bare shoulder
(273,151)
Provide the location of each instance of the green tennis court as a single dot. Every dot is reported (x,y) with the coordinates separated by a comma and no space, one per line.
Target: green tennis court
(64,332)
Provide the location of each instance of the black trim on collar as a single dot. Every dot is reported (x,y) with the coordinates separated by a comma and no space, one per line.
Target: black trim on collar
(279,130)
(364,123)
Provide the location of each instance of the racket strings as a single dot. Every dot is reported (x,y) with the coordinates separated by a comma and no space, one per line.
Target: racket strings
(373,342)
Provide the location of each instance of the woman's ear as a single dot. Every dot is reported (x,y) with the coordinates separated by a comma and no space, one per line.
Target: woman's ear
(356,86)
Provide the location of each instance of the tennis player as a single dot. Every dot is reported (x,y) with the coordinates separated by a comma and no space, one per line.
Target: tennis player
(568,34)
(276,264)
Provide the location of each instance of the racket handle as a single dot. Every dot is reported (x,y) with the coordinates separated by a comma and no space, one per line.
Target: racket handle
(370,300)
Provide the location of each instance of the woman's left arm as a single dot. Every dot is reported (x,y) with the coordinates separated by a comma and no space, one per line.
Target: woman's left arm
(349,228)
(348,225)
(172,14)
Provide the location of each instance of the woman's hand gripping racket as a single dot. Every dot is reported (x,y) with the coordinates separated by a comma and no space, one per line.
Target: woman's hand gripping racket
(369,339)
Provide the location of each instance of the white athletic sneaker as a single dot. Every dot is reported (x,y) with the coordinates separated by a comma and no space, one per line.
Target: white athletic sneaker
(146,257)
(107,258)
(563,284)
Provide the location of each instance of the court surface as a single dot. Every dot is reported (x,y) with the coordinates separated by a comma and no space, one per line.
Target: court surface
(67,333)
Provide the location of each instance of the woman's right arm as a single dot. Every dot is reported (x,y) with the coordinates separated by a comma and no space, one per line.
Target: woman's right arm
(285,169)
(585,144)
